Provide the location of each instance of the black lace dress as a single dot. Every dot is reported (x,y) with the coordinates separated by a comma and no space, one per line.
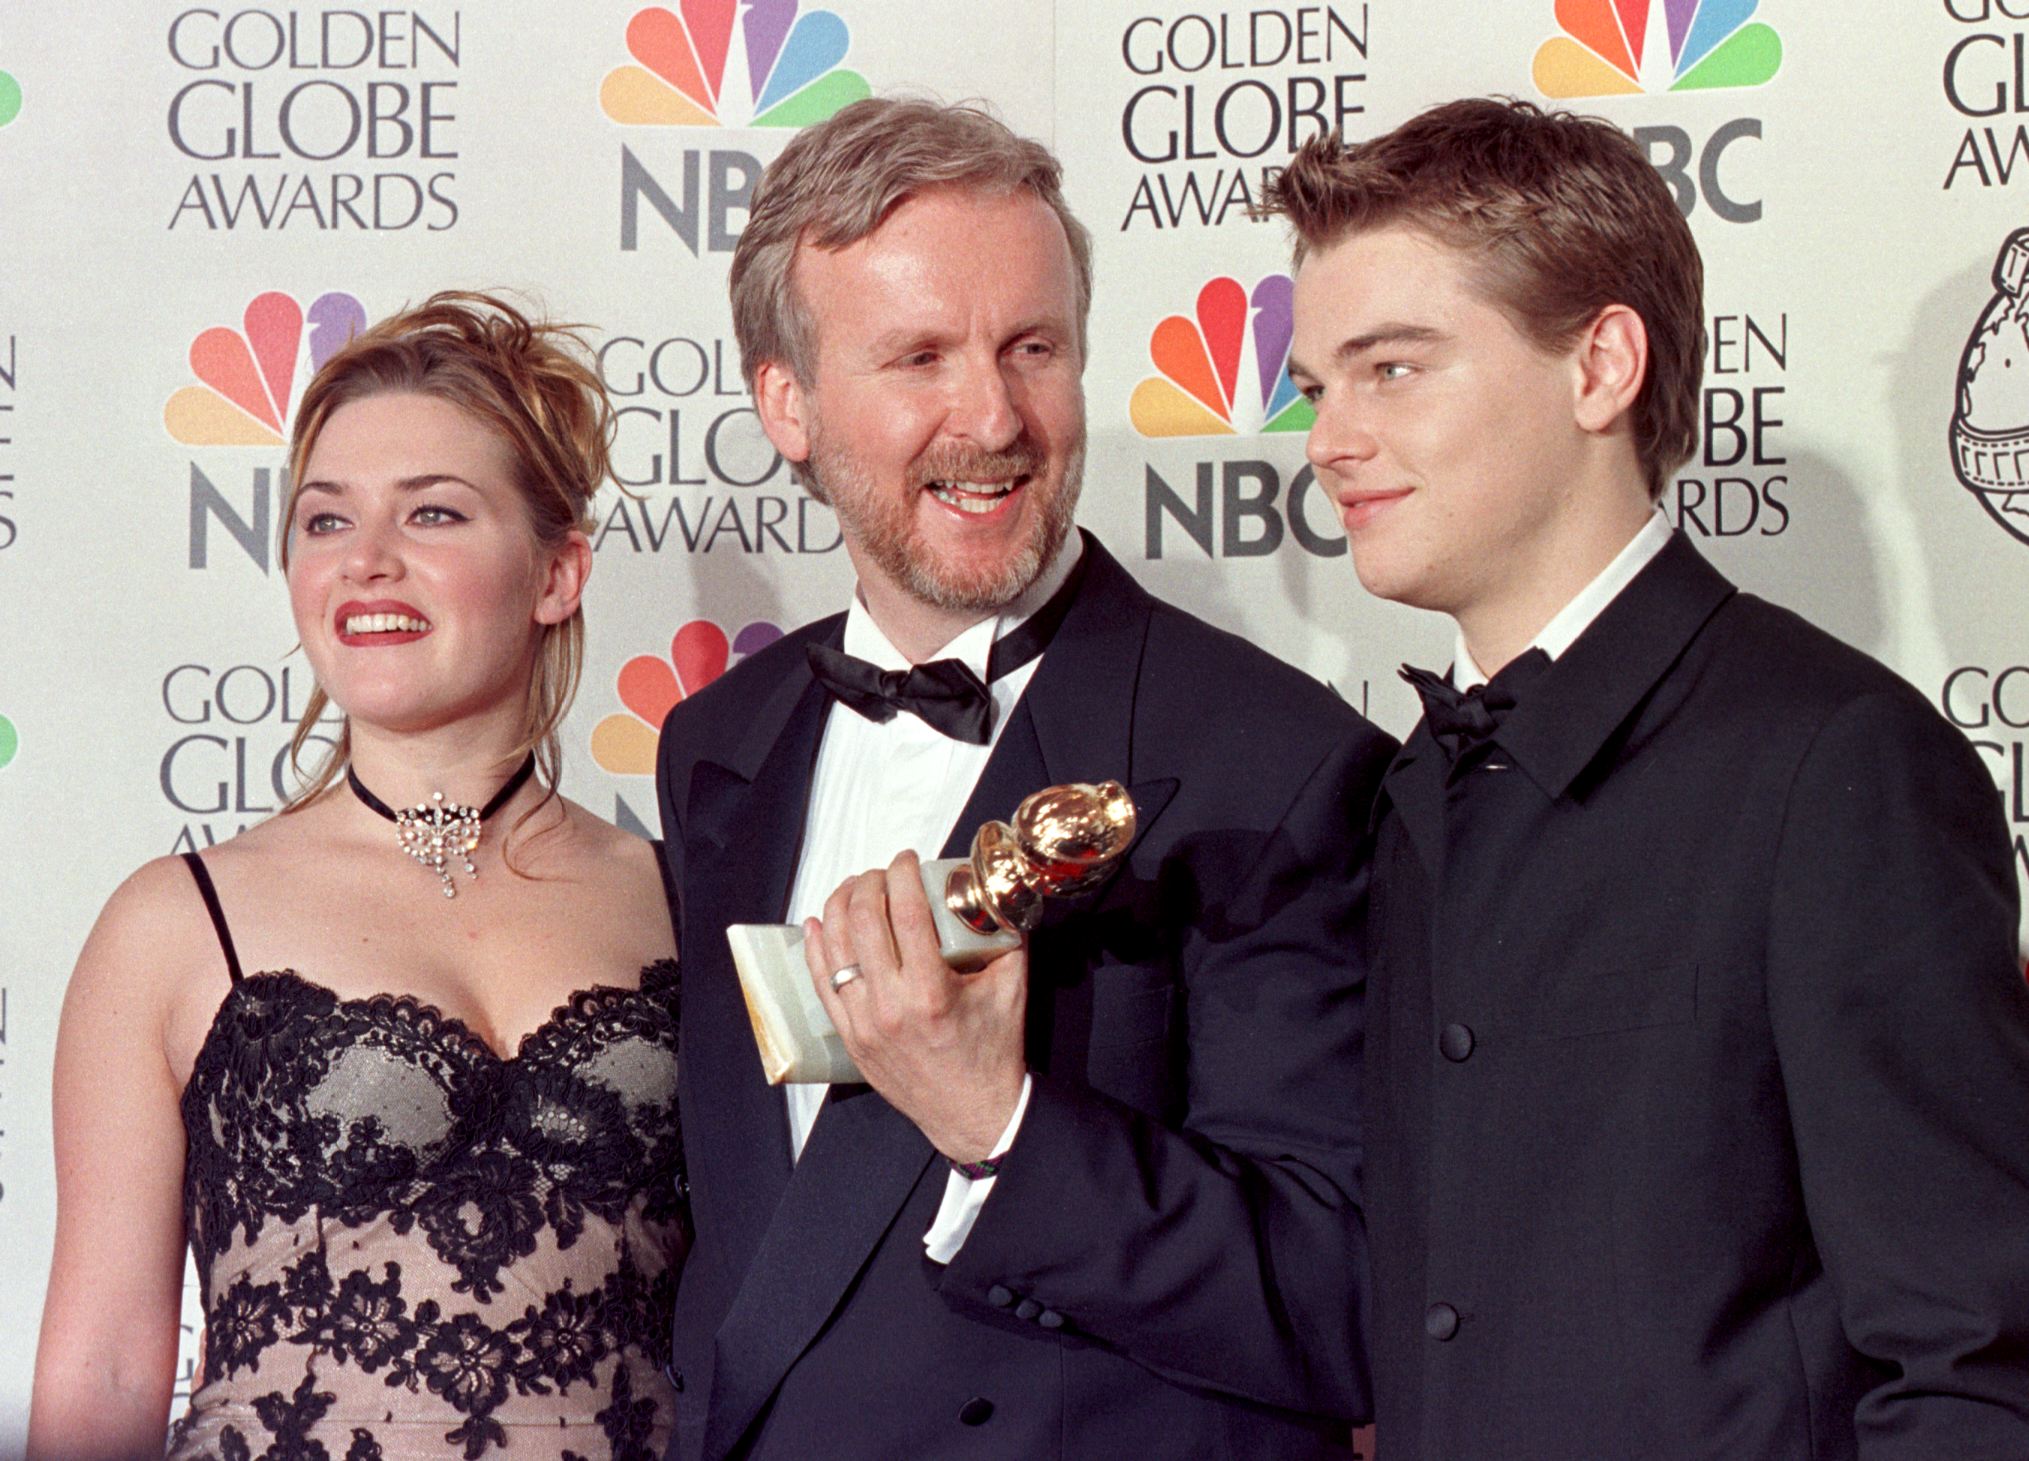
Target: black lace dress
(410,1246)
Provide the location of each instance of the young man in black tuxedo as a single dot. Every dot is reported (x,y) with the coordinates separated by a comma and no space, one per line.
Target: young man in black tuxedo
(1697,1086)
(1099,1201)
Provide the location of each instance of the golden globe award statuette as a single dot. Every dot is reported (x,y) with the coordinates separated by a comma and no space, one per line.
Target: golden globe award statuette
(1060,841)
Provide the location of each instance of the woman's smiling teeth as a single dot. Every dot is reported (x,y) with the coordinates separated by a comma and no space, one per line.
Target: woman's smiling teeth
(971,496)
(383,624)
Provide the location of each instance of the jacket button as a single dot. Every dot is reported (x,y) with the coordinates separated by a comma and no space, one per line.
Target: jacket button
(1440,1321)
(1456,1042)
(1050,1319)
(672,1374)
(1027,1309)
(1000,1296)
(976,1411)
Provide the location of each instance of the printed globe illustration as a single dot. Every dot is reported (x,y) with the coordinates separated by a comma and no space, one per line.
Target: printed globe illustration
(1990,426)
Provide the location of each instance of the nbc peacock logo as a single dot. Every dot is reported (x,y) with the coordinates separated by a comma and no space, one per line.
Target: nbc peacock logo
(696,69)
(248,377)
(10,98)
(650,686)
(1626,47)
(1224,370)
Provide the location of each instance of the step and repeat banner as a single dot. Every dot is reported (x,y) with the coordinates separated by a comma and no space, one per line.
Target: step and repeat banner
(197,203)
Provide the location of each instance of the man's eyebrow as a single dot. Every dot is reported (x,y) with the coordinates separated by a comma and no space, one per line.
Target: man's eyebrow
(1389,334)
(901,341)
(1354,346)
(907,339)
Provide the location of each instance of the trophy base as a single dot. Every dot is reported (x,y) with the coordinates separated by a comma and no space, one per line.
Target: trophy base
(964,947)
(797,1040)
(796,1037)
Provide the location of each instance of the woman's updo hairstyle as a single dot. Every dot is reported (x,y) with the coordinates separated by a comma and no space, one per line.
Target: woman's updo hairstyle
(535,385)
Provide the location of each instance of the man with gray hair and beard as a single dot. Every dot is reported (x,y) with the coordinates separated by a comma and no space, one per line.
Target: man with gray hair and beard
(1101,1197)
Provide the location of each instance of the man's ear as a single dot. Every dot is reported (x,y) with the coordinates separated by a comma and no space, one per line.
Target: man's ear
(1610,362)
(785,410)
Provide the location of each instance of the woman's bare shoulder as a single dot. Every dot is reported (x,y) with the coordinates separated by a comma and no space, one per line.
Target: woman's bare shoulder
(598,840)
(155,931)
(151,934)
(271,854)
(625,869)
(158,905)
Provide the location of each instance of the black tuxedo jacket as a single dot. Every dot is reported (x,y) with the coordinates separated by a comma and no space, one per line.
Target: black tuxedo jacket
(1698,1063)
(1172,1262)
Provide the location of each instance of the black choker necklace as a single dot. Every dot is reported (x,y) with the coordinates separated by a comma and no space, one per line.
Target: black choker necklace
(436,830)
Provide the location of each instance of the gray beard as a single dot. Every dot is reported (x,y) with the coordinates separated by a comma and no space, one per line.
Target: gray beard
(901,557)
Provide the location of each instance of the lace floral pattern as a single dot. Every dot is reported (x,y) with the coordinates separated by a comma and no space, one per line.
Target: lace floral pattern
(396,1227)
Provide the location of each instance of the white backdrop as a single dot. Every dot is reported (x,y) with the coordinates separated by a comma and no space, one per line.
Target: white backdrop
(192,200)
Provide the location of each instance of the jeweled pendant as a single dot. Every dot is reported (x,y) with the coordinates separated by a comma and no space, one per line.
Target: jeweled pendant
(437,831)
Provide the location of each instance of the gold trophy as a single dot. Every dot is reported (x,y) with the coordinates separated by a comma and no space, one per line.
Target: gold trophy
(1060,841)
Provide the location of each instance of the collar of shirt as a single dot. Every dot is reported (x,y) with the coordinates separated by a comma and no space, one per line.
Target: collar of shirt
(1576,617)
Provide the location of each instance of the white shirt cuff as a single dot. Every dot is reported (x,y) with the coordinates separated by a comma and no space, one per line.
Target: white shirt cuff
(964,1196)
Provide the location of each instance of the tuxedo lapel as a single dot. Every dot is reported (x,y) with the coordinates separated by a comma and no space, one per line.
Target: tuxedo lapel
(743,834)
(1573,708)
(859,1166)
(1415,787)
(1576,705)
(1081,700)
(1075,722)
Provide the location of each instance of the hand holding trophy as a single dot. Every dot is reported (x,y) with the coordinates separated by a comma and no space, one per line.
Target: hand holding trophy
(1060,841)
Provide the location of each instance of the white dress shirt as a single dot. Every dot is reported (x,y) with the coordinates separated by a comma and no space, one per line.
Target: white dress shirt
(882,786)
(1576,617)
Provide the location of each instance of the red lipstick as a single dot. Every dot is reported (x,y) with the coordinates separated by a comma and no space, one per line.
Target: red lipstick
(358,608)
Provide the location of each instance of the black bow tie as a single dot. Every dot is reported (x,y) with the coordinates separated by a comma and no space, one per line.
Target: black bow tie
(1462,720)
(945,694)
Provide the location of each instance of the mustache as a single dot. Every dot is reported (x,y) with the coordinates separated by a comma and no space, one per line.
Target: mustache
(1024,458)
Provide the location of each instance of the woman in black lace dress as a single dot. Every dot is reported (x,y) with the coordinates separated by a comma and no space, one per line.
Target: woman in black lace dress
(404,1080)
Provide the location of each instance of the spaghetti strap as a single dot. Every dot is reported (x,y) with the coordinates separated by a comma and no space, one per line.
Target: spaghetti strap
(210,895)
